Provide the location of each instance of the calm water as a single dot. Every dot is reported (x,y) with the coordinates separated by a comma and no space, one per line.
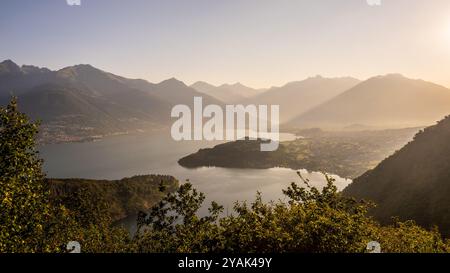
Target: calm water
(123,156)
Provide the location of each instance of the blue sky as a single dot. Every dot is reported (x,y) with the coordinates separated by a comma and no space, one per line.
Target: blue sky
(256,42)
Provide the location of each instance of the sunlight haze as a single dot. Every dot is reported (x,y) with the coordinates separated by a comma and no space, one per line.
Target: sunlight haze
(258,43)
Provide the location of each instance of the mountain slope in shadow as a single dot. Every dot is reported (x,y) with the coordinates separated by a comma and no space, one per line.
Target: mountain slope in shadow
(413,183)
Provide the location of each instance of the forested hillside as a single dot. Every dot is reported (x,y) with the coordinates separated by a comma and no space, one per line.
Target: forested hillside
(125,197)
(413,183)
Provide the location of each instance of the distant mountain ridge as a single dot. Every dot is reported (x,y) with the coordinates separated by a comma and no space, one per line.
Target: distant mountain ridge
(297,97)
(82,101)
(390,101)
(228,93)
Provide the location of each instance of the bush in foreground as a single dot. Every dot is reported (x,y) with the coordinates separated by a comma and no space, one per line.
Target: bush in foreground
(311,221)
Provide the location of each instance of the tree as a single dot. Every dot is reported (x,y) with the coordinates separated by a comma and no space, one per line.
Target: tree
(24,205)
(311,221)
(30,219)
(173,225)
(89,223)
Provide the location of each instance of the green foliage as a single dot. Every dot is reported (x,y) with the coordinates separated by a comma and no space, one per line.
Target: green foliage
(311,221)
(125,197)
(23,194)
(408,237)
(90,223)
(30,221)
(173,226)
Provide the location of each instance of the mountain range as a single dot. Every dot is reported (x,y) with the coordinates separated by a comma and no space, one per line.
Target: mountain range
(83,101)
(390,101)
(79,101)
(228,93)
(297,97)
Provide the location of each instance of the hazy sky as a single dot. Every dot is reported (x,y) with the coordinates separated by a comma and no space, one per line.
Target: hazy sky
(259,43)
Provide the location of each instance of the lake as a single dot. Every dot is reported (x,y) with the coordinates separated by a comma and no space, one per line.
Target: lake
(127,155)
